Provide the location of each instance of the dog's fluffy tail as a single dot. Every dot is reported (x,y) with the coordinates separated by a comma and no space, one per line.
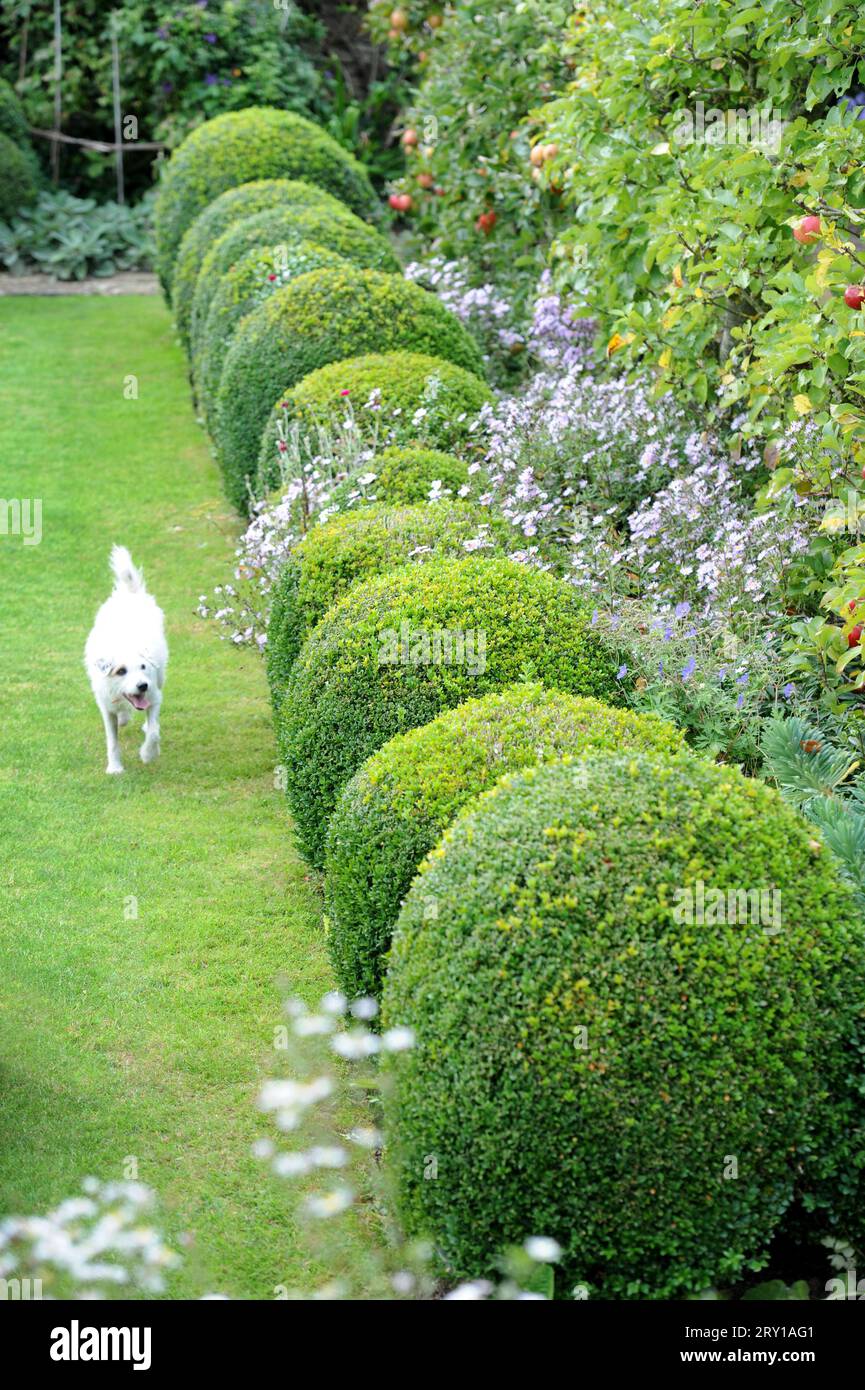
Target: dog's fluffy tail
(126,576)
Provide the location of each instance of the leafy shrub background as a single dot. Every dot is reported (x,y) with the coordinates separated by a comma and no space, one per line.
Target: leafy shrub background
(683,247)
(180,64)
(556,899)
(486,66)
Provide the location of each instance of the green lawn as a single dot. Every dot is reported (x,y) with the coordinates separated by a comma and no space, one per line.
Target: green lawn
(136,1038)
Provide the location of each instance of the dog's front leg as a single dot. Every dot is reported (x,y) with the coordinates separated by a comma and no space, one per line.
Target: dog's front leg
(150,746)
(111,739)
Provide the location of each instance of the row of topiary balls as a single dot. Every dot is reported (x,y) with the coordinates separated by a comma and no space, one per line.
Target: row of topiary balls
(277,273)
(507,854)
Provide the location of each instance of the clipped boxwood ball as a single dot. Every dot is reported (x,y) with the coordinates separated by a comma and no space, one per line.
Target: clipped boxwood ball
(400,475)
(356,546)
(382,394)
(341,233)
(399,649)
(394,810)
(240,146)
(238,291)
(616,1047)
(261,195)
(19,187)
(321,317)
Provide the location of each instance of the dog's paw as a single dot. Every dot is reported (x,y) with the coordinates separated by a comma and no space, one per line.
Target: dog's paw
(149,750)
(113,768)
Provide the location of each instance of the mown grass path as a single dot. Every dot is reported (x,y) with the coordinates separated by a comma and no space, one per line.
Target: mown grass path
(124,1037)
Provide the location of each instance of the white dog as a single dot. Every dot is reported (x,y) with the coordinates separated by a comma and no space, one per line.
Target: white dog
(125,656)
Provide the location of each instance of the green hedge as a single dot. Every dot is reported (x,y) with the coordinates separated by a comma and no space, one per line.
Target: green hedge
(323,317)
(400,476)
(241,289)
(244,201)
(394,809)
(357,546)
(338,231)
(404,382)
(18,182)
(589,1064)
(238,147)
(398,649)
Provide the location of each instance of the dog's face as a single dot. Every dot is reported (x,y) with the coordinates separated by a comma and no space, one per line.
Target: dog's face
(131,678)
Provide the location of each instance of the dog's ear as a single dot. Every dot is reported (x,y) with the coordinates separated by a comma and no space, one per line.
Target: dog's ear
(104,666)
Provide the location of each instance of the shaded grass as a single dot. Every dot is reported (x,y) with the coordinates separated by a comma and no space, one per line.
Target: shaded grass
(125,1037)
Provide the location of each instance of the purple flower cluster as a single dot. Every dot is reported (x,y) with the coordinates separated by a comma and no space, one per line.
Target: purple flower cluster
(700,537)
(571,453)
(557,340)
(484,311)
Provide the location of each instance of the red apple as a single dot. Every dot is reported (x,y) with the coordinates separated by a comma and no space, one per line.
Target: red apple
(808,230)
(409,137)
(404,202)
(394,201)
(854,635)
(854,296)
(486,222)
(398,19)
(425,180)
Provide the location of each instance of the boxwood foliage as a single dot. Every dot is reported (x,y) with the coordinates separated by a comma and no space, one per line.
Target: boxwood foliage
(357,546)
(239,146)
(322,317)
(237,292)
(395,809)
(19,186)
(398,649)
(590,1063)
(261,195)
(400,384)
(400,475)
(340,232)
